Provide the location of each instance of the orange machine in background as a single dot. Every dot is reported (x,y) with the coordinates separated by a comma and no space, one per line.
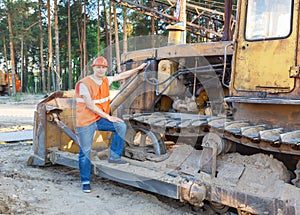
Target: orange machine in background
(4,82)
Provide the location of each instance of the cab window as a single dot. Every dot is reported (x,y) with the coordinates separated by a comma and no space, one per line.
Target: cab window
(267,19)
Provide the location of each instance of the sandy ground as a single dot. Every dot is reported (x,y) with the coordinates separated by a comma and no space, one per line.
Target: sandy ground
(56,189)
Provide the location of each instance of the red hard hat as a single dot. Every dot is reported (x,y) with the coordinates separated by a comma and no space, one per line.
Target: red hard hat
(100,61)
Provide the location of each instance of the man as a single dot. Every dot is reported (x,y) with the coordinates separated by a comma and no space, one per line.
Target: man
(93,113)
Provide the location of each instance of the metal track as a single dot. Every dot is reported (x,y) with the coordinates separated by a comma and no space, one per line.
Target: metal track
(243,132)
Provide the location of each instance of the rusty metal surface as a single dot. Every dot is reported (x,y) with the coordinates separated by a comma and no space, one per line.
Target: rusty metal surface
(212,146)
(193,193)
(197,188)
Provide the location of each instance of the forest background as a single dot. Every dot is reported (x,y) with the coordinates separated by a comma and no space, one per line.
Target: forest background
(50,44)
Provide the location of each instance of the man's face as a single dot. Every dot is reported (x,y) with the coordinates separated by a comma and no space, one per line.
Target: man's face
(99,71)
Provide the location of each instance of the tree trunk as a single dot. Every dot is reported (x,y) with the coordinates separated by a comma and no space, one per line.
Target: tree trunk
(106,27)
(12,55)
(6,62)
(22,63)
(227,16)
(42,49)
(117,39)
(85,60)
(49,47)
(24,69)
(57,71)
(99,30)
(125,35)
(26,63)
(79,30)
(70,47)
(110,39)
(189,36)
(152,26)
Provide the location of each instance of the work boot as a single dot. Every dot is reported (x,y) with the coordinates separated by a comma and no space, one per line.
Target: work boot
(86,188)
(103,155)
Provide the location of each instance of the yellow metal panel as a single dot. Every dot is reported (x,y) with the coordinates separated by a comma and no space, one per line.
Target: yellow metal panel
(139,55)
(165,69)
(194,49)
(264,65)
(298,49)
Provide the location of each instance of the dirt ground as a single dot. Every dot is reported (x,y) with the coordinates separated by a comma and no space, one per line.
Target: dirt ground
(56,189)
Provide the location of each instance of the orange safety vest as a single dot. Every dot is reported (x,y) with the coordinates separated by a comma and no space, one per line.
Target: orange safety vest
(99,95)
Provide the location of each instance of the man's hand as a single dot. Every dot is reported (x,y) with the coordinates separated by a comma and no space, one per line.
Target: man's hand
(129,73)
(114,119)
(142,66)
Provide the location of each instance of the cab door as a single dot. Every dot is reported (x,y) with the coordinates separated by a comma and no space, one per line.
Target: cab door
(266,45)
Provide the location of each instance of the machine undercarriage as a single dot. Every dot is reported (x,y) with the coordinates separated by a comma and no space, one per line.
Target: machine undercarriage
(213,122)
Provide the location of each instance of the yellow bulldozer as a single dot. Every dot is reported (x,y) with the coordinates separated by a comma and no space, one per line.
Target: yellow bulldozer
(212,123)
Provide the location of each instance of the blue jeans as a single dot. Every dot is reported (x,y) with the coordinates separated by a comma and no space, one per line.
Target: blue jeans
(85,138)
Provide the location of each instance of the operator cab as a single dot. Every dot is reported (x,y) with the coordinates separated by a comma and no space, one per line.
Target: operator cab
(266,46)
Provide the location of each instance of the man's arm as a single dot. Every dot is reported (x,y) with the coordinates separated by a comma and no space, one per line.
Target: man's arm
(90,105)
(129,73)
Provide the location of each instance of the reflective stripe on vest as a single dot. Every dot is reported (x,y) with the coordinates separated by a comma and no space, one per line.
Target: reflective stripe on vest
(99,101)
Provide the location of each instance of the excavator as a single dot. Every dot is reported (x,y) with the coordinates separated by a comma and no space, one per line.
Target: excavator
(213,123)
